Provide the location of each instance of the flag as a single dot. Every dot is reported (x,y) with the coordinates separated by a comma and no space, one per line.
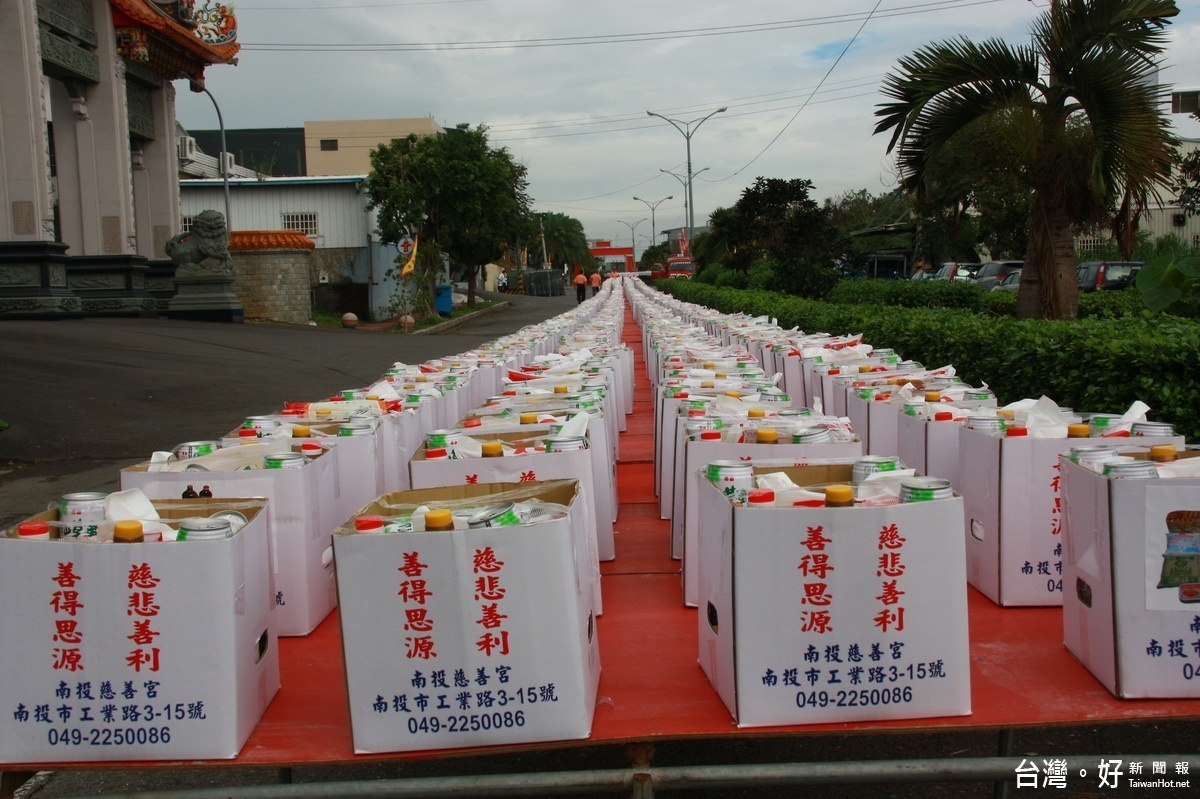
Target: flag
(411,263)
(683,241)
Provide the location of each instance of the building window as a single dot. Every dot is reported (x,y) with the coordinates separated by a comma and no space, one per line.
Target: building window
(329,145)
(185,224)
(303,221)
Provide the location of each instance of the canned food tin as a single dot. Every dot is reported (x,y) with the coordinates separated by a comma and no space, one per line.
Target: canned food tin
(565,443)
(261,424)
(503,514)
(82,511)
(870,464)
(796,412)
(355,430)
(923,489)
(913,408)
(1130,469)
(194,449)
(979,394)
(1163,429)
(442,438)
(284,460)
(1091,457)
(815,434)
(203,528)
(992,425)
(694,428)
(1101,423)
(236,519)
(734,478)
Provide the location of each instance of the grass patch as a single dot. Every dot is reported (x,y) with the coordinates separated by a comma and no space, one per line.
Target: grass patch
(457,313)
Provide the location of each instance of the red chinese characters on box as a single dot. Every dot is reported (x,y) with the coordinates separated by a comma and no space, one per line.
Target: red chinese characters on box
(815,567)
(890,568)
(414,593)
(489,593)
(143,608)
(67,603)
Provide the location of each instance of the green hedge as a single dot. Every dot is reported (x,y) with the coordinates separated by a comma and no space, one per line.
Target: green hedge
(1095,364)
(968,296)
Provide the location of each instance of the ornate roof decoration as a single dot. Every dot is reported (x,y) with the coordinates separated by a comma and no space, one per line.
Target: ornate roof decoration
(173,38)
(270,240)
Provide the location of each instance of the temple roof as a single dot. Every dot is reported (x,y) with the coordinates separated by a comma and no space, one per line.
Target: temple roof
(166,25)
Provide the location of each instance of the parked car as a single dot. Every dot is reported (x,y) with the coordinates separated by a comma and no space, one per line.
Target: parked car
(993,272)
(956,270)
(1010,282)
(922,274)
(1107,275)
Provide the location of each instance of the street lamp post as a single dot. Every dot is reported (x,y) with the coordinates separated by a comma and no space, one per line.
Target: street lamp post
(687,129)
(683,182)
(221,160)
(632,237)
(652,206)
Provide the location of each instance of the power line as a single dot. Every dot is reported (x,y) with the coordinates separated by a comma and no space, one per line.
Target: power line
(615,38)
(828,72)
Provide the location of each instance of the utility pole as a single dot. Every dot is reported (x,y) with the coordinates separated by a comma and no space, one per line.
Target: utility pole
(652,206)
(686,130)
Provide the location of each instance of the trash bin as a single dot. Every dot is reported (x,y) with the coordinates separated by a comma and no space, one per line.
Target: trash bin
(443,299)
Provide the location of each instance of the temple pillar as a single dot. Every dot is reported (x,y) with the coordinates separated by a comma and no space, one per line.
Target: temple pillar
(156,178)
(26,208)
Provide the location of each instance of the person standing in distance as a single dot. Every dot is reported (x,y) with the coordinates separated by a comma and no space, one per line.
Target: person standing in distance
(595,282)
(580,286)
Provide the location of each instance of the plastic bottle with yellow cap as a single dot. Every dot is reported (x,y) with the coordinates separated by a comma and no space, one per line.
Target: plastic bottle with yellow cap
(439,520)
(839,495)
(128,532)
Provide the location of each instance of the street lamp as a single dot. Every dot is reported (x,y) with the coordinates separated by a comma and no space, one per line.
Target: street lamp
(683,182)
(687,130)
(652,206)
(196,87)
(632,238)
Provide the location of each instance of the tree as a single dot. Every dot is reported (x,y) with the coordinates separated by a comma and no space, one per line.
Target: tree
(655,254)
(1096,136)
(1187,183)
(457,194)
(566,242)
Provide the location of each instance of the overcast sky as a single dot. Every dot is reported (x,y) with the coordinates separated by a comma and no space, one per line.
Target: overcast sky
(565,86)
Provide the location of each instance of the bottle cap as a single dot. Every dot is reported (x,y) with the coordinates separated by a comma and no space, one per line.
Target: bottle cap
(709,365)
(435,453)
(864,368)
(247,432)
(839,494)
(766,435)
(323,411)
(300,431)
(720,375)
(1078,431)
(706,384)
(734,394)
(473,423)
(529,418)
(1007,414)
(372,397)
(835,371)
(561,389)
(127,532)
(710,435)
(681,395)
(756,413)
(311,448)
(761,496)
(33,530)
(933,396)
(492,449)
(439,519)
(1161,453)
(1016,432)
(369,523)
(943,416)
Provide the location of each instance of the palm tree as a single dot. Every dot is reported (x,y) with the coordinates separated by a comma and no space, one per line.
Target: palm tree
(1095,136)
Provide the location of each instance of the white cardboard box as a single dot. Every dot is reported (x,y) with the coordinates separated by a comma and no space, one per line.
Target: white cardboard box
(466,638)
(931,446)
(306,505)
(812,615)
(689,526)
(1014,517)
(153,651)
(1137,638)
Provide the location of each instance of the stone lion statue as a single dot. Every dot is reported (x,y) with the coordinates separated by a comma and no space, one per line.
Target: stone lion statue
(205,248)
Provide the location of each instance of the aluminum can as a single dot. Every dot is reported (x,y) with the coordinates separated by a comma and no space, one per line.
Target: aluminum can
(442,438)
(503,514)
(815,434)
(1101,423)
(979,394)
(694,428)
(1163,429)
(992,425)
(284,460)
(1091,457)
(1133,468)
(261,424)
(355,430)
(82,511)
(203,528)
(734,478)
(870,464)
(796,412)
(913,407)
(565,443)
(194,449)
(923,489)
